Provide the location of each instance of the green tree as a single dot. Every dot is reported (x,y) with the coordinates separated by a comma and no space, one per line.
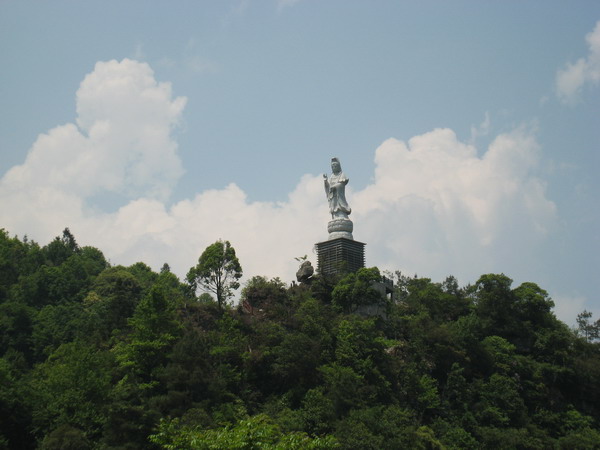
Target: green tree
(500,403)
(257,432)
(54,325)
(357,289)
(142,355)
(360,347)
(72,388)
(14,410)
(61,248)
(295,361)
(587,329)
(190,377)
(496,306)
(114,297)
(17,259)
(66,437)
(264,297)
(218,271)
(499,354)
(382,427)
(457,394)
(154,328)
(144,274)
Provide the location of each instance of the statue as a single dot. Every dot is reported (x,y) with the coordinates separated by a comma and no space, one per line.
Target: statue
(335,188)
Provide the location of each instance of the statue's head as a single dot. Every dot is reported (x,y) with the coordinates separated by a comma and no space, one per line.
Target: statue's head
(335,165)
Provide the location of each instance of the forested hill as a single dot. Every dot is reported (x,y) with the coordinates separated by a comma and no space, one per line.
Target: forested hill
(101,356)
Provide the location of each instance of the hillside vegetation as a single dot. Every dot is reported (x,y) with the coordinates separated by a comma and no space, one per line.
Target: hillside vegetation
(95,356)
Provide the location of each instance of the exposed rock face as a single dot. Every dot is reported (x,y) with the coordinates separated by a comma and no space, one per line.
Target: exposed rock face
(305,271)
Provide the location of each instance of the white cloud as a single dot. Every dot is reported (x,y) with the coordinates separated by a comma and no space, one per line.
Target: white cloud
(571,80)
(122,141)
(435,207)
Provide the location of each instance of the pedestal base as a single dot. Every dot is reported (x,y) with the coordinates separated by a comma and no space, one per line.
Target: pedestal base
(339,256)
(340,228)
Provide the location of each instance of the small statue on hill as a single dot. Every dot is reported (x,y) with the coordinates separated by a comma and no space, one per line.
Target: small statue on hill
(340,226)
(335,189)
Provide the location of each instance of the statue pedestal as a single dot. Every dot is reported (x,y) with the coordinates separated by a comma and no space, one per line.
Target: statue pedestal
(340,228)
(340,255)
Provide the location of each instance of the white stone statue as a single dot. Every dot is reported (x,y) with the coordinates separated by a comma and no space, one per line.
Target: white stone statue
(335,189)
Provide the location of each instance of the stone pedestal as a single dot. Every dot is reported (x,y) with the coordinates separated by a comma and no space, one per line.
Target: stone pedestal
(340,255)
(340,228)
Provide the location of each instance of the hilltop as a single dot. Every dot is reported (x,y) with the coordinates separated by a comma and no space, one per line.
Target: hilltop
(101,356)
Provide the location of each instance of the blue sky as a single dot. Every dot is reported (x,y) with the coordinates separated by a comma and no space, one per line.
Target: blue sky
(469,131)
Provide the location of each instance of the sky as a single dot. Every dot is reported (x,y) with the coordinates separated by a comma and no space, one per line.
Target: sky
(469,131)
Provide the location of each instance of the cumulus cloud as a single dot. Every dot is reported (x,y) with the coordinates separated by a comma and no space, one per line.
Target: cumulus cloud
(121,141)
(571,79)
(435,205)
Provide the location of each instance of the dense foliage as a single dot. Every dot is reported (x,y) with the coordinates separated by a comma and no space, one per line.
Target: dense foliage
(101,356)
(218,271)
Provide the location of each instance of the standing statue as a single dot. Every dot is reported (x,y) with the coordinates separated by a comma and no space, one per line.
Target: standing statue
(335,189)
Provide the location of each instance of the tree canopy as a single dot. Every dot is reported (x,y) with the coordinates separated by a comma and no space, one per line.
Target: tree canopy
(218,271)
(94,356)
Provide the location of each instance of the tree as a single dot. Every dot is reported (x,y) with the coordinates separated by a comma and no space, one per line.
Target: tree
(265,297)
(587,329)
(154,329)
(495,305)
(357,289)
(65,437)
(15,425)
(218,271)
(71,388)
(114,297)
(61,248)
(17,259)
(254,432)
